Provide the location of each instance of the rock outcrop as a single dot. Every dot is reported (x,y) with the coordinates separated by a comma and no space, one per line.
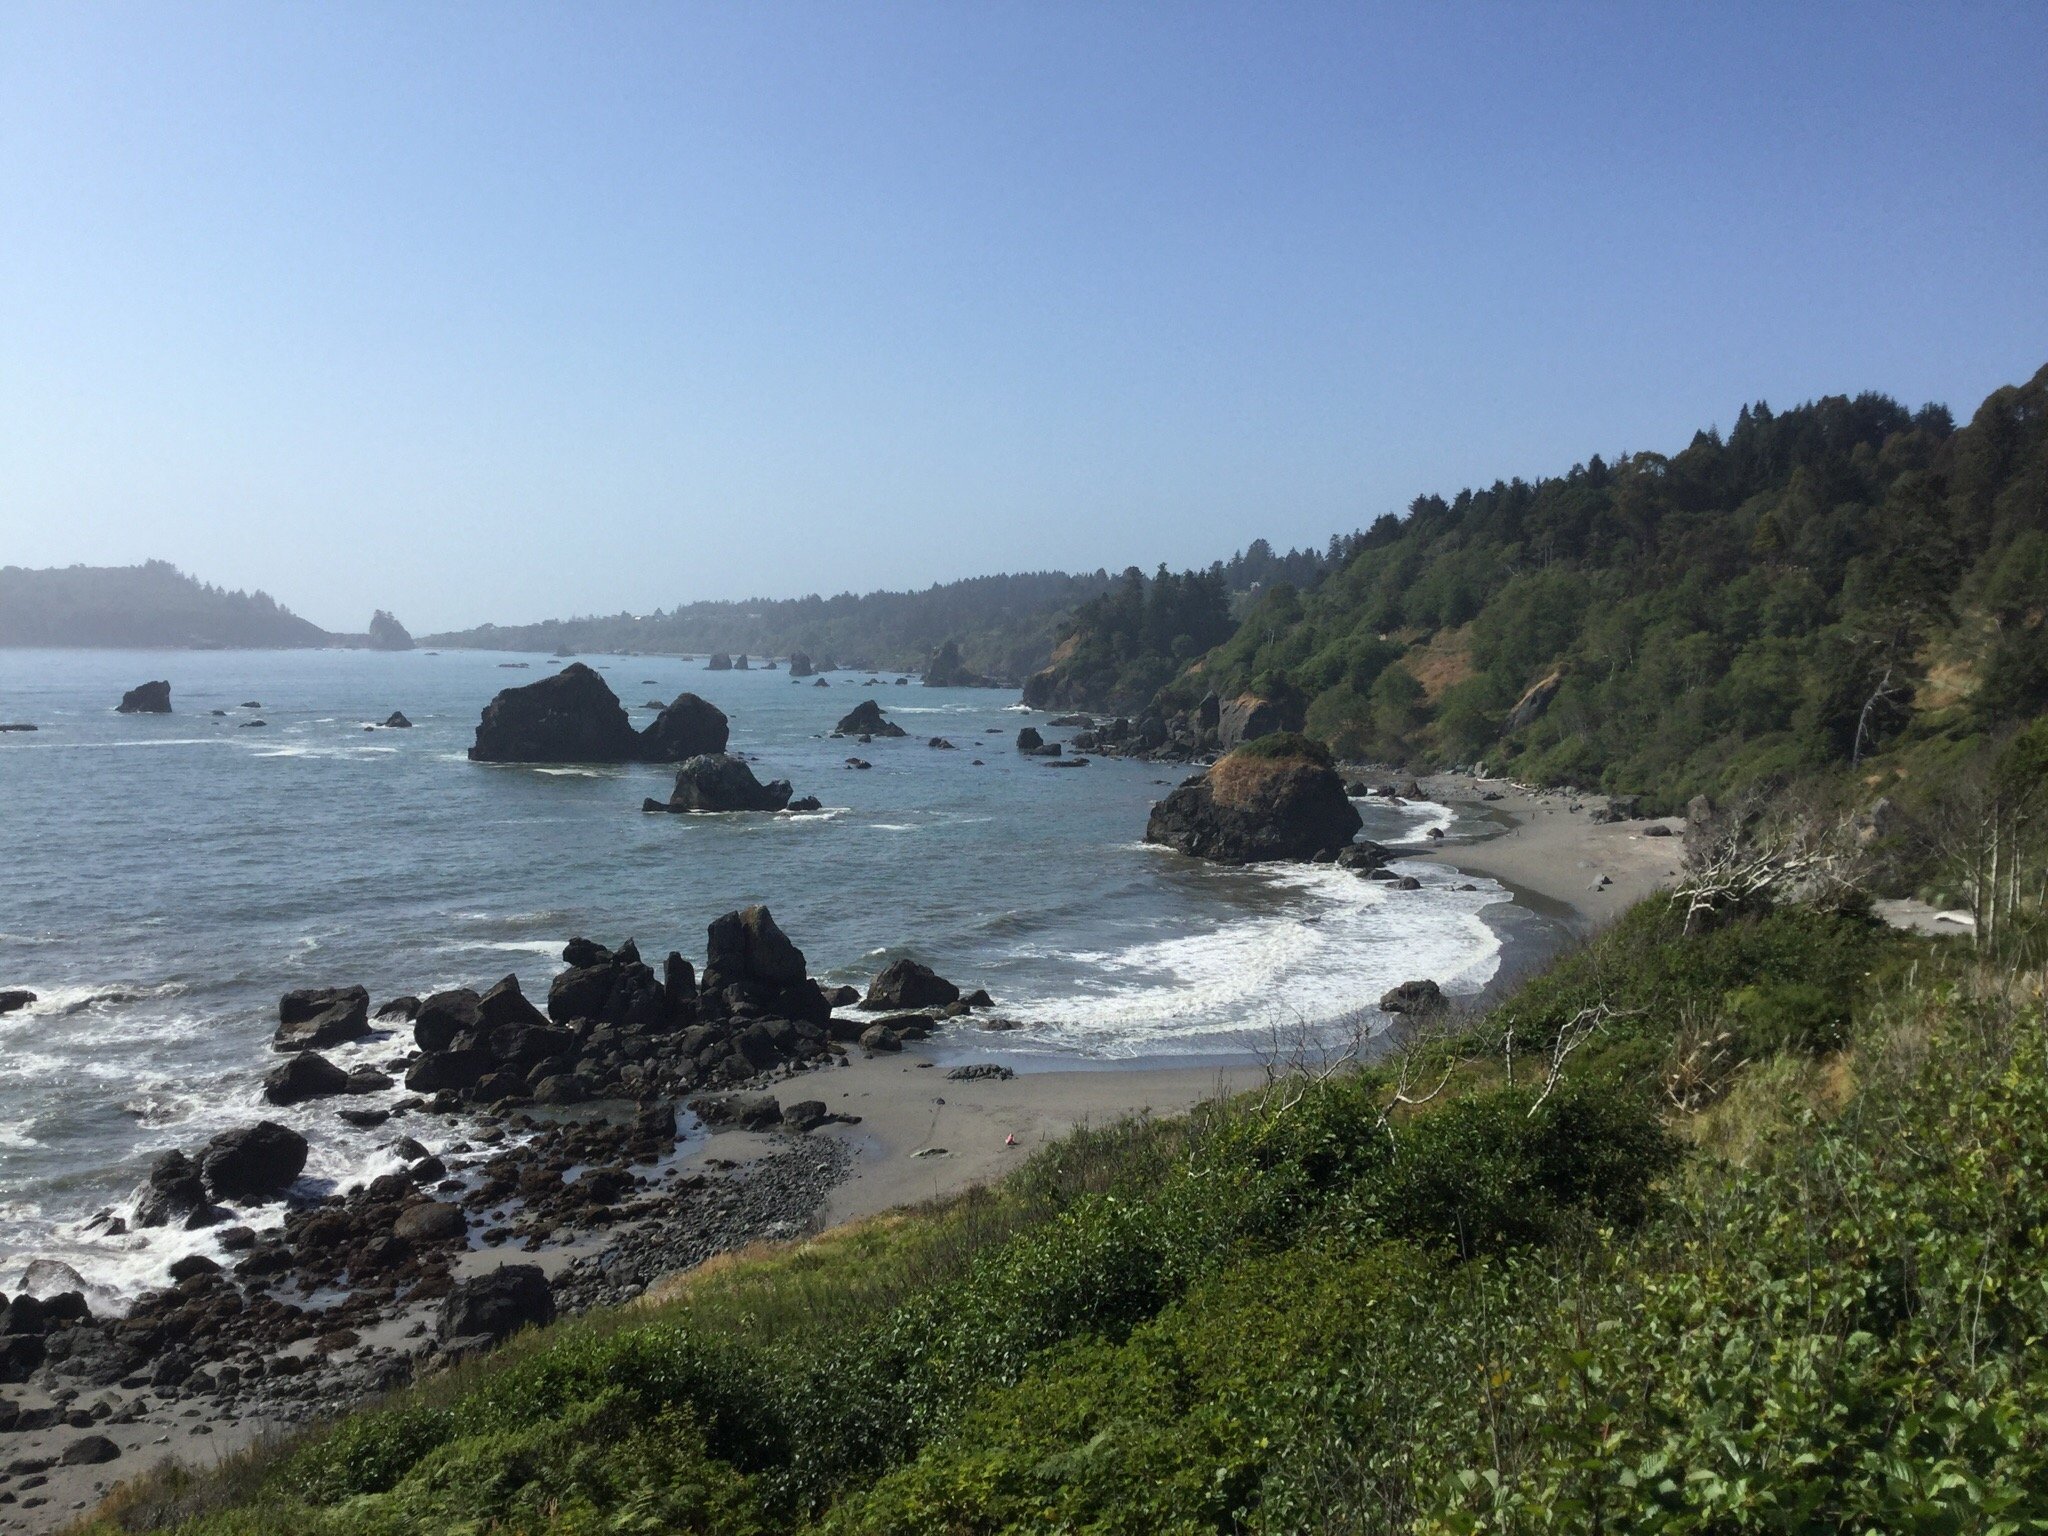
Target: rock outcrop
(718,661)
(146,699)
(947,670)
(396,721)
(15,998)
(387,634)
(1279,799)
(866,719)
(905,984)
(688,727)
(572,717)
(1414,997)
(1530,707)
(1249,717)
(800,664)
(721,782)
(497,1304)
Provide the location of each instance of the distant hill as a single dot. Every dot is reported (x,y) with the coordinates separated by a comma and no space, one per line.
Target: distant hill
(1004,626)
(155,606)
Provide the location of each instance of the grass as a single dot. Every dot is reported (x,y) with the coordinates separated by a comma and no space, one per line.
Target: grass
(1795,1287)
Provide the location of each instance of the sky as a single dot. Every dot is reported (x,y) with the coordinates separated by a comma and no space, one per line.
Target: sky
(506,311)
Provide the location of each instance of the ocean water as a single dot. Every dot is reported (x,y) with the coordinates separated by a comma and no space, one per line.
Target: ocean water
(164,878)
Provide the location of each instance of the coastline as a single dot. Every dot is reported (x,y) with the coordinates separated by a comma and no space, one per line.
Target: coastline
(920,1135)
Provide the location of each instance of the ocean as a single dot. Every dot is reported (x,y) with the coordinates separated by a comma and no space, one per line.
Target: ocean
(165,878)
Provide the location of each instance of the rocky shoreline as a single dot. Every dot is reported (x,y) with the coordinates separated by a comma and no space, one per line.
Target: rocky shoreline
(560,1177)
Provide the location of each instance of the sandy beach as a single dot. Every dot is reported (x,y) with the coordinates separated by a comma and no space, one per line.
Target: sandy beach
(912,1133)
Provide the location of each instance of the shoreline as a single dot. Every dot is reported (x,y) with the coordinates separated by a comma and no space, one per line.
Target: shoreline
(913,1133)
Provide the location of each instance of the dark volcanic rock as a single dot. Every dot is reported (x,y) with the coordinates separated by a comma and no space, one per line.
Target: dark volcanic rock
(1248,717)
(174,1191)
(907,984)
(316,1018)
(15,998)
(506,1004)
(255,1162)
(456,1069)
(431,1221)
(396,721)
(721,782)
(307,1075)
(445,1015)
(866,719)
(1028,739)
(572,717)
(738,1111)
(497,1305)
(89,1452)
(148,699)
(689,727)
(1252,806)
(1414,997)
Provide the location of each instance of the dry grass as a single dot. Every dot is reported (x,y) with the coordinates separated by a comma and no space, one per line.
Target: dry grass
(1442,663)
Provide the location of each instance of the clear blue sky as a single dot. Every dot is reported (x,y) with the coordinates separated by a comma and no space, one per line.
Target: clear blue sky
(506,311)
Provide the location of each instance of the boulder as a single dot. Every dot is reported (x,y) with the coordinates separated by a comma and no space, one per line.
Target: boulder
(306,1075)
(880,1037)
(254,1162)
(318,1018)
(721,782)
(866,719)
(571,717)
(89,1451)
(497,1304)
(619,989)
(20,1356)
(445,1015)
(1283,802)
(1249,717)
(905,984)
(738,1111)
(689,727)
(173,1192)
(1414,997)
(456,1070)
(396,721)
(1362,857)
(506,1004)
(748,946)
(146,699)
(404,1008)
(1028,739)
(14,999)
(431,1221)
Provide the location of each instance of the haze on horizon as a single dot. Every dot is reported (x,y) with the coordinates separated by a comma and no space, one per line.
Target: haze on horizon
(509,312)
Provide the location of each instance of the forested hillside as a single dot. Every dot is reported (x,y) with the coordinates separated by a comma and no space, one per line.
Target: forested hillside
(153,605)
(1821,584)
(1005,625)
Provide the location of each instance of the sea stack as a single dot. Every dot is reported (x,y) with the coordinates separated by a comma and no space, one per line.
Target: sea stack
(866,719)
(574,717)
(1276,798)
(147,699)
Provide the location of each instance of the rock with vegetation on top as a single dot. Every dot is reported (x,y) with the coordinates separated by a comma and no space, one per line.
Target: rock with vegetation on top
(146,699)
(947,670)
(1277,798)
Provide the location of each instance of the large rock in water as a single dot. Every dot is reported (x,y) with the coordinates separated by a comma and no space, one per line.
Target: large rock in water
(866,719)
(148,699)
(256,1162)
(690,727)
(1277,800)
(317,1018)
(800,664)
(907,984)
(572,717)
(720,782)
(718,661)
(947,670)
(307,1075)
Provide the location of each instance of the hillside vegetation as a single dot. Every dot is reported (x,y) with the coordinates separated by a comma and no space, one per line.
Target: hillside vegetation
(1564,1270)
(149,606)
(1821,585)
